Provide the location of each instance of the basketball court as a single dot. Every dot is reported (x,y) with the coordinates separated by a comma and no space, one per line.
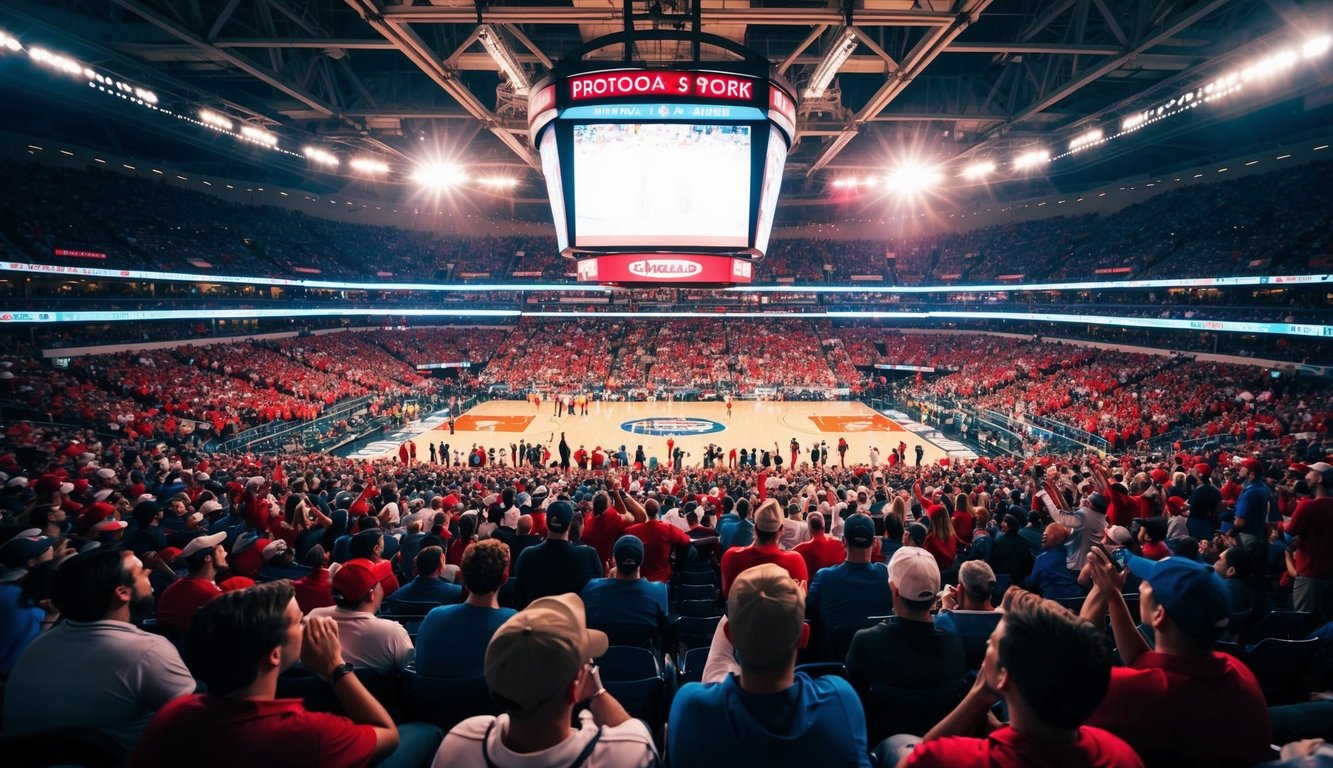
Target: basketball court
(752,424)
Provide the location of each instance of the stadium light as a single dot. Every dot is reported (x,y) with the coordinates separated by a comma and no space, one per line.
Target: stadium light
(9,43)
(1316,46)
(911,178)
(1085,140)
(258,135)
(828,67)
(504,58)
(979,170)
(320,156)
(497,182)
(214,120)
(369,165)
(1031,159)
(439,175)
(56,61)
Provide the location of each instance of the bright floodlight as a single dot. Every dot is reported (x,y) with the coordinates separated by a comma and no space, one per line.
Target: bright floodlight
(1085,139)
(368,165)
(828,66)
(321,156)
(55,61)
(258,135)
(494,182)
(911,178)
(1031,159)
(1316,46)
(209,117)
(9,43)
(979,170)
(439,175)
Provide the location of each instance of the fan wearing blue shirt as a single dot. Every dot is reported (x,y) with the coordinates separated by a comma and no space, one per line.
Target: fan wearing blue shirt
(768,713)
(453,638)
(429,586)
(625,599)
(844,595)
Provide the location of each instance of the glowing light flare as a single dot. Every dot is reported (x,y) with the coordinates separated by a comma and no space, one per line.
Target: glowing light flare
(911,178)
(56,61)
(1087,139)
(439,175)
(979,170)
(215,120)
(369,165)
(258,135)
(1316,46)
(322,157)
(9,43)
(498,182)
(1032,159)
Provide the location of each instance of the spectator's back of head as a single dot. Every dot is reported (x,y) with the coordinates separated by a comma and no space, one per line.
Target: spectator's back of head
(766,618)
(1059,664)
(236,632)
(429,561)
(85,585)
(484,566)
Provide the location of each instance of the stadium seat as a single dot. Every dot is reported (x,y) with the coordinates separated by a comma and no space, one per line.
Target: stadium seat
(692,665)
(86,747)
(621,662)
(403,608)
(694,592)
(318,695)
(1285,669)
(975,630)
(1074,604)
(834,641)
(891,710)
(444,701)
(636,635)
(823,668)
(697,608)
(1282,625)
(689,632)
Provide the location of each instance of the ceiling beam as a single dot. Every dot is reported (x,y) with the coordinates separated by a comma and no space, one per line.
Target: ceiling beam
(254,70)
(1172,27)
(420,54)
(1069,49)
(799,17)
(349,43)
(916,61)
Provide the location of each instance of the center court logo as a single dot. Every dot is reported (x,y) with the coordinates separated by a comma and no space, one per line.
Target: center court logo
(672,427)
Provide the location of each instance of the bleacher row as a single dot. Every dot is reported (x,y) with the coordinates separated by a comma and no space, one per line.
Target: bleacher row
(1272,223)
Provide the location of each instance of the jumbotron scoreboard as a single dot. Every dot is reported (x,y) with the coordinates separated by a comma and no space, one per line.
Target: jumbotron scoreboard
(663,175)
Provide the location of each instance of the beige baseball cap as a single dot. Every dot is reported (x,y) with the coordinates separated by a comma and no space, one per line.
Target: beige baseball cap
(539,650)
(766,613)
(916,574)
(768,517)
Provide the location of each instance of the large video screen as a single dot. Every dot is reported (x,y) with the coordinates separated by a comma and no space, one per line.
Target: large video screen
(668,184)
(550,154)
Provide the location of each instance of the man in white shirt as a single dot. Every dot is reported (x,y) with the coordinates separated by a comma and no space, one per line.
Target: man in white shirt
(95,669)
(539,668)
(368,642)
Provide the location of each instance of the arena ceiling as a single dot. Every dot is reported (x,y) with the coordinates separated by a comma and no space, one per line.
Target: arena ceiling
(946,80)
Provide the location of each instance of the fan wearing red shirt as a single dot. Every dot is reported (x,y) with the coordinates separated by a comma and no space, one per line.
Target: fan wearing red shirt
(1051,669)
(179,602)
(820,551)
(607,523)
(240,643)
(659,541)
(1312,523)
(1185,603)
(767,524)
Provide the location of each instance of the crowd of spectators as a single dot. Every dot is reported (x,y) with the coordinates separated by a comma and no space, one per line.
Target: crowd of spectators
(1258,224)
(320,599)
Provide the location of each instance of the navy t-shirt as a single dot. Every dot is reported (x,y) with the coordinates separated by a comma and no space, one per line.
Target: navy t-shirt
(618,601)
(815,722)
(453,638)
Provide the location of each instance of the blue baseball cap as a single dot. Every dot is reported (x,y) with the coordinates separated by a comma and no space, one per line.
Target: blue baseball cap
(1192,593)
(559,516)
(628,552)
(859,531)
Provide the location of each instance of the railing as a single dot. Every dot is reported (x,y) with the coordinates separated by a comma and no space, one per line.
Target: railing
(275,429)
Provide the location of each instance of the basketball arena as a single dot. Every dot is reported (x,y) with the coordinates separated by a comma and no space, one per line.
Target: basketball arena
(892,383)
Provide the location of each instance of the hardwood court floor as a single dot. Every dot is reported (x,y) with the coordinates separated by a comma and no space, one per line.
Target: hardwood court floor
(752,424)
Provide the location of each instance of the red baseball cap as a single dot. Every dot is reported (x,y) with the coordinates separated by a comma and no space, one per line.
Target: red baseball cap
(357,577)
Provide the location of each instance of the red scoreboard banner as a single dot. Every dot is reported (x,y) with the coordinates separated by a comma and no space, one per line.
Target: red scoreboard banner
(665,268)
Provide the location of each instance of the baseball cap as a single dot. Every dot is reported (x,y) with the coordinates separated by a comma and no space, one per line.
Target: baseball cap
(766,615)
(916,574)
(1203,469)
(1192,594)
(24,547)
(1119,534)
(358,576)
(768,518)
(628,552)
(110,526)
(1255,466)
(199,543)
(539,650)
(559,516)
(1159,475)
(274,548)
(859,531)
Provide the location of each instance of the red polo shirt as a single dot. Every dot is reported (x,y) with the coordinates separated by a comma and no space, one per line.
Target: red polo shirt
(659,539)
(182,599)
(208,731)
(1164,701)
(1008,747)
(601,531)
(1313,522)
(737,560)
(820,552)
